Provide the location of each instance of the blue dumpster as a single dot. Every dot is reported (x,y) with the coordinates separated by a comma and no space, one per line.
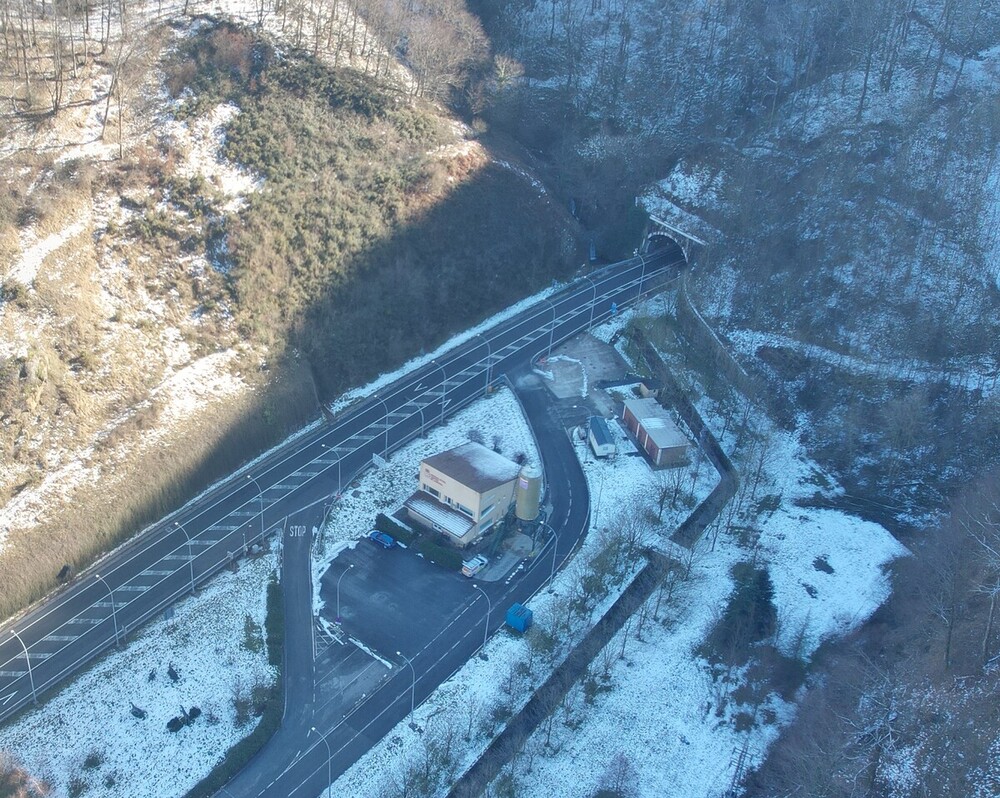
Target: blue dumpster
(519,618)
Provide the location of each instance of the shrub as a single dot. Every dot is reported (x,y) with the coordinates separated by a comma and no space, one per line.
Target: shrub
(274,622)
(749,617)
(76,787)
(253,638)
(445,556)
(389,525)
(93,760)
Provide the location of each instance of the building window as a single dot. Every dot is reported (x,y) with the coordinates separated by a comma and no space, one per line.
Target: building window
(432,492)
(486,510)
(463,509)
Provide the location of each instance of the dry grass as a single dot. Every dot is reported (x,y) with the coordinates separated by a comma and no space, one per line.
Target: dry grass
(141,488)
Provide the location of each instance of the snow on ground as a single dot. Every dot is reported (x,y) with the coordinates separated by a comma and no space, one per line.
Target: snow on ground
(207,379)
(749,341)
(201,140)
(658,710)
(827,570)
(91,714)
(662,698)
(25,270)
(384,489)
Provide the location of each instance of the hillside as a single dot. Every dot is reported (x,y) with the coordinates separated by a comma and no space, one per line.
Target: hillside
(207,227)
(843,169)
(840,161)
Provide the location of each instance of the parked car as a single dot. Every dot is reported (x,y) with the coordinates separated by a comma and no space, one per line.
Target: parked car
(472,567)
(384,540)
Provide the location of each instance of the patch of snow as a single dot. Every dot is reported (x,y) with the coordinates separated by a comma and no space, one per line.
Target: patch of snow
(35,253)
(201,141)
(207,379)
(517,170)
(204,643)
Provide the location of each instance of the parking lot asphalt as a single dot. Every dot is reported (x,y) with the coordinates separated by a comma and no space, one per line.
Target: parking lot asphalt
(395,600)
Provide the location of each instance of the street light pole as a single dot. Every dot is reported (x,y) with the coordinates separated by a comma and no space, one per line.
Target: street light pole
(340,483)
(348,568)
(552,329)
(385,407)
(444,386)
(180,526)
(489,609)
(329,762)
(555,545)
(31,677)
(489,358)
(114,615)
(260,496)
(593,303)
(413,685)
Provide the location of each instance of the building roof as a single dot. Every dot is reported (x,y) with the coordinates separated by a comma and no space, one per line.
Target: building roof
(474,466)
(451,521)
(657,422)
(599,430)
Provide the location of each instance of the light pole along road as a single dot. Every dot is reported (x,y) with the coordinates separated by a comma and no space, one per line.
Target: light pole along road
(160,565)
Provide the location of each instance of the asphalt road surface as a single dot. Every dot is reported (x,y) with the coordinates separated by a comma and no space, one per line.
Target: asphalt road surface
(60,635)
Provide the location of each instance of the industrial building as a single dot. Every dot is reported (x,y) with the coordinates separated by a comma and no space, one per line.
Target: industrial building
(655,431)
(464,492)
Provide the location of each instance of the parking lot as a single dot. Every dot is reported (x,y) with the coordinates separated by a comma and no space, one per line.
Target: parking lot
(394,600)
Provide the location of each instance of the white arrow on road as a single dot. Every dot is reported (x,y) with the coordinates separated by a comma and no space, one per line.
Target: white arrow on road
(5,698)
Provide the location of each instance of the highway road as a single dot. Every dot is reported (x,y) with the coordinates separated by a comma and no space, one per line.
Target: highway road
(100,608)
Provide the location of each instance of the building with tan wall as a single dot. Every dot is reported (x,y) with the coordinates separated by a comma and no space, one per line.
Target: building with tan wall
(463,492)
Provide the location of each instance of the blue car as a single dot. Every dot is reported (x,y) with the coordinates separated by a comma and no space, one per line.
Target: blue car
(384,540)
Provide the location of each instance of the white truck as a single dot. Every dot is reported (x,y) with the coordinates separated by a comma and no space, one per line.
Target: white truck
(472,567)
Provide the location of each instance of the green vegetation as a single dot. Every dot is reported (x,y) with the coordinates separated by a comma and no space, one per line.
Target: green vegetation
(93,760)
(384,523)
(363,246)
(441,554)
(750,616)
(274,623)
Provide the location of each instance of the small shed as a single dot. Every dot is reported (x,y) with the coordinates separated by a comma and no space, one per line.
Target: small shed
(656,432)
(600,438)
(519,618)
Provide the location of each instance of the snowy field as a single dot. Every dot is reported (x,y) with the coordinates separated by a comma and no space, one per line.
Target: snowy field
(85,734)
